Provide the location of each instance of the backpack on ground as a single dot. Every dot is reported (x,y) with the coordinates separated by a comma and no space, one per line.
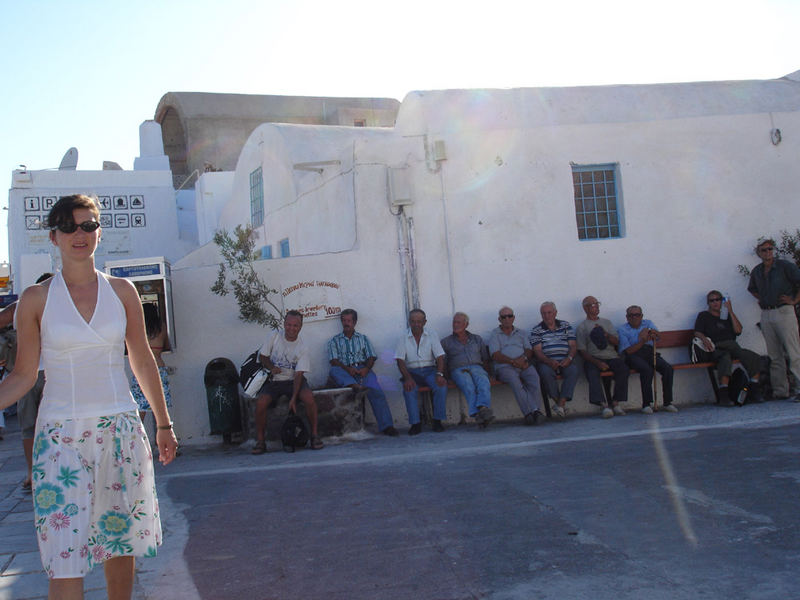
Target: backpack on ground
(293,433)
(252,374)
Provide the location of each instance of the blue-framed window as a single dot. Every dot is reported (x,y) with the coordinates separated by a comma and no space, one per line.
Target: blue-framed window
(284,247)
(266,251)
(256,198)
(598,212)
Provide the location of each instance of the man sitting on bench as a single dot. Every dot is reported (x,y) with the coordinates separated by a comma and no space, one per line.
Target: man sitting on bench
(636,346)
(719,338)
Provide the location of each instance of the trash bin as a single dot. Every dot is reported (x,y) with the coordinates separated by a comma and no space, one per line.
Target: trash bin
(222,393)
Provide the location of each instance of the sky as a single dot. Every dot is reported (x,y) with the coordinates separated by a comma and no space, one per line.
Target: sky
(87,73)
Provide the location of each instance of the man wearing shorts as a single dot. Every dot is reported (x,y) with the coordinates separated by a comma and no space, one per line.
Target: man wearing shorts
(287,359)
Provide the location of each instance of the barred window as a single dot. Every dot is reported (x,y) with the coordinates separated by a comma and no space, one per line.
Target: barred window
(597,208)
(256,198)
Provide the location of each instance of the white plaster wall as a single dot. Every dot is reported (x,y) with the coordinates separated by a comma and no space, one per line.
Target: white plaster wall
(212,193)
(695,192)
(308,171)
(209,326)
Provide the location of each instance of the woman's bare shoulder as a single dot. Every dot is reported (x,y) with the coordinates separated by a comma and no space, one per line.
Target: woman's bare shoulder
(123,287)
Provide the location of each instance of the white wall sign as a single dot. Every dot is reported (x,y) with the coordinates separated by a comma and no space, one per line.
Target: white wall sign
(316,299)
(114,242)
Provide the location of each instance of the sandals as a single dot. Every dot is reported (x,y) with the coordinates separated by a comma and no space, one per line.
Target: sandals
(316,443)
(259,448)
(26,485)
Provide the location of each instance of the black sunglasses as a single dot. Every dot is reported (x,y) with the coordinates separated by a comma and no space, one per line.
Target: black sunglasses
(72,227)
(715,299)
(506,316)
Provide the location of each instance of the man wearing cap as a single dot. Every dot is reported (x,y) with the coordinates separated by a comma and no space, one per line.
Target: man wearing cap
(636,339)
(596,339)
(775,283)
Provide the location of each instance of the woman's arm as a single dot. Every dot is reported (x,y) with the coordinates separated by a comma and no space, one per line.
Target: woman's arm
(143,365)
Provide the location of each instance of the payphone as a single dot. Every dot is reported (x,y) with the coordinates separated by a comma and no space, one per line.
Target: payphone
(153,281)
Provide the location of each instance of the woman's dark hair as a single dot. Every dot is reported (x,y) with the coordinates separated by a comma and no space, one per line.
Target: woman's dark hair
(152,320)
(61,213)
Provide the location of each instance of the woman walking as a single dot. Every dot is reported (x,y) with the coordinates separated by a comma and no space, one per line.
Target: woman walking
(93,485)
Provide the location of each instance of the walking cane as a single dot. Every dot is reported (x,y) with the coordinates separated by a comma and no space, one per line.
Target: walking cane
(655,379)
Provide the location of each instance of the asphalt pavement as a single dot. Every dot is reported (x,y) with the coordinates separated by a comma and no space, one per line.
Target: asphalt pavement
(699,504)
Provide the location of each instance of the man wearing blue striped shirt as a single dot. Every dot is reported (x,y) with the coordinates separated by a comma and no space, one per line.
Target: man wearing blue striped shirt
(554,347)
(352,357)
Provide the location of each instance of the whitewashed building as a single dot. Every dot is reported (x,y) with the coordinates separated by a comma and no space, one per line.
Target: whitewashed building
(647,194)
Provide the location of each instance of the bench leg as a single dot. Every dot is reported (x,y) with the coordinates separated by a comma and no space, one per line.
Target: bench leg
(545,399)
(714,386)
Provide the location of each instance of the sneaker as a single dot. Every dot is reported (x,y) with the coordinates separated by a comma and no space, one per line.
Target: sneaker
(607,413)
(390,431)
(559,412)
(669,408)
(619,411)
(532,418)
(415,429)
(437,426)
(484,416)
(648,410)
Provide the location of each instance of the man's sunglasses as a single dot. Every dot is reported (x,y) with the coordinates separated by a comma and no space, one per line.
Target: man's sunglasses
(71,227)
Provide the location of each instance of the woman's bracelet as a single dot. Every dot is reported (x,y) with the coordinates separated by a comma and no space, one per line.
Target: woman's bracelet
(165,427)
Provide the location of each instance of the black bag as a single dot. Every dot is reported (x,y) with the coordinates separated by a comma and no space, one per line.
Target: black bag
(252,374)
(293,433)
(698,353)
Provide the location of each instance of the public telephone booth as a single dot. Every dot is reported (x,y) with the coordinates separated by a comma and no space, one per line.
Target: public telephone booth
(153,281)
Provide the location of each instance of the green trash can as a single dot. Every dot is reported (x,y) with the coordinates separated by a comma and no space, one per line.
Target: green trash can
(222,393)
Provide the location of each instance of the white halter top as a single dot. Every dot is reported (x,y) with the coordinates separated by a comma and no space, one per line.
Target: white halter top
(84,362)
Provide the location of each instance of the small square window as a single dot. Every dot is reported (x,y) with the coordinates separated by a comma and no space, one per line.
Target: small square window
(596,206)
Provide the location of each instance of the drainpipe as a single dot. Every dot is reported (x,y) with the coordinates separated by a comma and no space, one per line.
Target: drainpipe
(408,261)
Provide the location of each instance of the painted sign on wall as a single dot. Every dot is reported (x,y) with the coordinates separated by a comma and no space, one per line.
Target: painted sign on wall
(316,299)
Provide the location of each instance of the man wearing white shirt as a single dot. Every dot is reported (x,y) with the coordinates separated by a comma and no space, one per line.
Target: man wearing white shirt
(420,358)
(287,359)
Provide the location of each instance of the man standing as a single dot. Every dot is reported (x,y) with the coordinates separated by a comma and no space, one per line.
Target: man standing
(467,361)
(719,338)
(554,347)
(420,358)
(511,352)
(352,357)
(596,340)
(286,357)
(636,345)
(775,283)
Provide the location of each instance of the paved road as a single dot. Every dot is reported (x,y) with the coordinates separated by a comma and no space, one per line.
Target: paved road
(702,504)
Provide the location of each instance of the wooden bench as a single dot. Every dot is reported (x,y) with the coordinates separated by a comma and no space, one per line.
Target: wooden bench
(678,338)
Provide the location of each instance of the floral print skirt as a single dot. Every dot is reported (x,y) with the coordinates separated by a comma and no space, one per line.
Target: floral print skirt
(138,394)
(94,493)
